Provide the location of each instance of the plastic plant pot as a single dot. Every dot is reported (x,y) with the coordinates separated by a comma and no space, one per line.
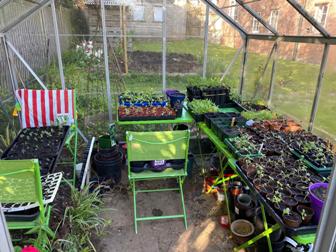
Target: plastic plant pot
(171,91)
(176,98)
(104,142)
(316,202)
(242,230)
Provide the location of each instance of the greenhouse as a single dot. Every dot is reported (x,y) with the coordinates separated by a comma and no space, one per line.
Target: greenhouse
(156,125)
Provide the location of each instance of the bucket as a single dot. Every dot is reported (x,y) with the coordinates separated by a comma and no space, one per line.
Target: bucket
(316,203)
(104,142)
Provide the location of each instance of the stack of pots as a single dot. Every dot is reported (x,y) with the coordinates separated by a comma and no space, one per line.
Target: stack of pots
(108,163)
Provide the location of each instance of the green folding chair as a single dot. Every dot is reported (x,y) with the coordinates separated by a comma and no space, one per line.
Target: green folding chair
(20,182)
(160,145)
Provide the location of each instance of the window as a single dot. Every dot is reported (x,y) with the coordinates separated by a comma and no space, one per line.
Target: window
(273,20)
(255,24)
(233,11)
(158,14)
(139,13)
(321,11)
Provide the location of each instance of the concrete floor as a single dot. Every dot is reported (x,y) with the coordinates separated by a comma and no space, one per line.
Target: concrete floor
(203,234)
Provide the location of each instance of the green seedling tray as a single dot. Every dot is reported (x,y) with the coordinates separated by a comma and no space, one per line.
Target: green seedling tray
(323,171)
(236,152)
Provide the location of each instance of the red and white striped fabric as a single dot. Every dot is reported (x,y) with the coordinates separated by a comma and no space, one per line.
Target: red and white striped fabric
(40,108)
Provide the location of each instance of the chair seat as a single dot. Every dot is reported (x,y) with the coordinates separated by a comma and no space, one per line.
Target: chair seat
(167,173)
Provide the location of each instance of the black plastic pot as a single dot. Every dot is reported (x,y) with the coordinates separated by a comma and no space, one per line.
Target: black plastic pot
(108,167)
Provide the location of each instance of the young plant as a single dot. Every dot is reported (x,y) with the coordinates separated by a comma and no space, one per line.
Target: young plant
(286,211)
(202,106)
(7,139)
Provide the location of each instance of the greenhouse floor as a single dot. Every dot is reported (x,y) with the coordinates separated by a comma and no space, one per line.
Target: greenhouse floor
(204,233)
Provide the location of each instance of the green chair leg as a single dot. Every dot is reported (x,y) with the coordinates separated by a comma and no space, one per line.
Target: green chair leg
(183,206)
(134,207)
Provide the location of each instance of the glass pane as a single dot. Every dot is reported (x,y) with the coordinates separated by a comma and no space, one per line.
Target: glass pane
(296,82)
(325,125)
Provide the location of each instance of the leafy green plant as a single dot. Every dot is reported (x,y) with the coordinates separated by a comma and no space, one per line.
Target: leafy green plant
(259,115)
(83,220)
(202,106)
(7,138)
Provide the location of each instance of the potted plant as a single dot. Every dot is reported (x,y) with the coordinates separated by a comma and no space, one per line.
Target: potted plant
(199,107)
(291,218)
(318,195)
(242,230)
(306,213)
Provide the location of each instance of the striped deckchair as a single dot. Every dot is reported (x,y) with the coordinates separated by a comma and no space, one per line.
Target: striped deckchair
(41,108)
(45,108)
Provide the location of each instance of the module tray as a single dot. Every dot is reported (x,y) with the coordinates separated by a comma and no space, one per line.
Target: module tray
(323,171)
(237,153)
(309,229)
(49,142)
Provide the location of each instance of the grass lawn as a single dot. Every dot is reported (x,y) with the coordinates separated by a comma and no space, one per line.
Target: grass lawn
(295,81)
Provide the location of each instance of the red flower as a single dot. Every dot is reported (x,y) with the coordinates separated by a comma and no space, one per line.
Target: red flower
(30,249)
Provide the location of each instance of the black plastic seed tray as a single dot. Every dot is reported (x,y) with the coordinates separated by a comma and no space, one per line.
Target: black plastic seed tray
(308,229)
(47,149)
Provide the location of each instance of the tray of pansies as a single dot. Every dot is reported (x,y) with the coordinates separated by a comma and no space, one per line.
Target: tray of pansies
(145,113)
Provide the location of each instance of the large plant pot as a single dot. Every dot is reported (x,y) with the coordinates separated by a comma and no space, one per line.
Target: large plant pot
(176,98)
(316,202)
(242,231)
(108,167)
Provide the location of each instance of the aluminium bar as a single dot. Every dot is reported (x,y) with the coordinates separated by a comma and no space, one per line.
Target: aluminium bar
(12,48)
(326,231)
(106,62)
(272,80)
(206,40)
(267,61)
(164,45)
(9,64)
(226,17)
(298,7)
(25,16)
(5,239)
(57,43)
(235,57)
(257,16)
(318,87)
(294,39)
(243,72)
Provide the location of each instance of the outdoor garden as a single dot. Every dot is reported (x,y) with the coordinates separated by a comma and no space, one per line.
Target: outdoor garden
(130,143)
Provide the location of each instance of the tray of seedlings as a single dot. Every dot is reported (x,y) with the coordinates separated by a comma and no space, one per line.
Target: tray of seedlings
(198,108)
(218,94)
(224,125)
(244,145)
(316,152)
(45,144)
(281,184)
(145,113)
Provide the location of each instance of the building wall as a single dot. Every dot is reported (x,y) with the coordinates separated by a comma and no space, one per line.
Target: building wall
(176,27)
(289,24)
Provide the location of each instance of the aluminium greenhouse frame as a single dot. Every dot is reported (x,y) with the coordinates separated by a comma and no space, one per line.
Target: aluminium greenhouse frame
(325,237)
